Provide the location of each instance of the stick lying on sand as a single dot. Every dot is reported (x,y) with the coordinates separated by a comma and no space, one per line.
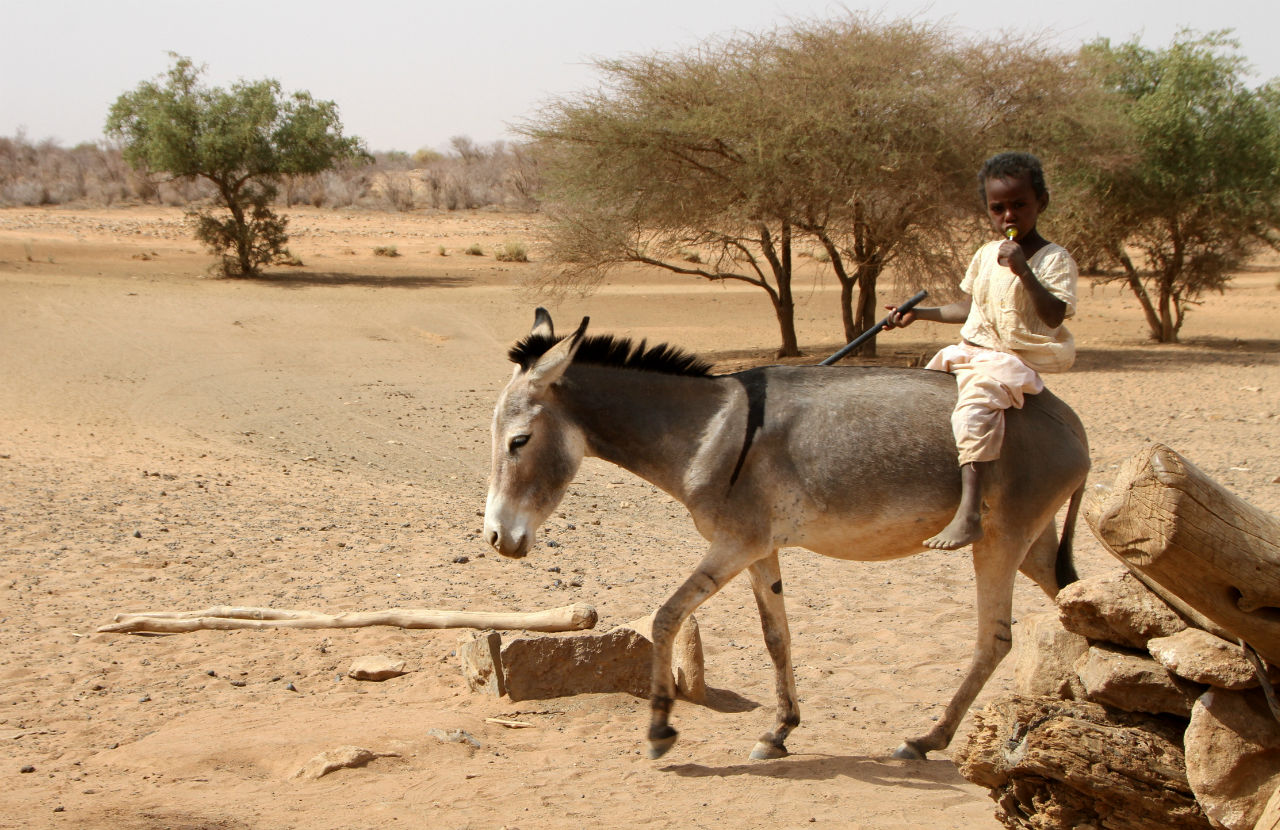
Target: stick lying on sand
(574,617)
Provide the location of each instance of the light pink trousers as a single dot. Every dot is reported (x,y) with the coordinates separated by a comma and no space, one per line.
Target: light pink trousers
(989,382)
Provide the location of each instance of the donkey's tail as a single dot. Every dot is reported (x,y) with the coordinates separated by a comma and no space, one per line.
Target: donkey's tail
(1064,567)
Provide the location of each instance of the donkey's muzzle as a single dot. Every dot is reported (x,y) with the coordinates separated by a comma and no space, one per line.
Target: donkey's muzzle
(513,545)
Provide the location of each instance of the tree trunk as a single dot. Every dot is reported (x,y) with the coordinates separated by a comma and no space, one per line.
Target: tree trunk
(784,307)
(1168,334)
(244,247)
(1139,291)
(846,284)
(1181,530)
(1052,765)
(865,313)
(785,311)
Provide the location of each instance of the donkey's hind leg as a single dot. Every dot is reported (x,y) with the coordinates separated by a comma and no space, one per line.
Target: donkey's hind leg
(1040,563)
(995,562)
(766,583)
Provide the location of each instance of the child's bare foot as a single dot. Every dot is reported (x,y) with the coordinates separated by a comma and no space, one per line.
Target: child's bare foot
(961,531)
(966,526)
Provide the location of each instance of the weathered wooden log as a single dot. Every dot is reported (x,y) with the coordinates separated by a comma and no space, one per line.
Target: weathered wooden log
(1186,536)
(1052,764)
(574,617)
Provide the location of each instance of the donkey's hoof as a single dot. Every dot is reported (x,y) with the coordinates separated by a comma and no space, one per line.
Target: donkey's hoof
(908,752)
(768,750)
(659,746)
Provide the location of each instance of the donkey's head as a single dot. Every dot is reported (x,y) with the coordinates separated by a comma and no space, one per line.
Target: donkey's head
(536,448)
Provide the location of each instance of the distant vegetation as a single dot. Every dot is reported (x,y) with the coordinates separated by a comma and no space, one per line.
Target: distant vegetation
(467,176)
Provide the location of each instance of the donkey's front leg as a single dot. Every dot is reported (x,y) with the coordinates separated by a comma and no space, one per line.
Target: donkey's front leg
(714,571)
(766,583)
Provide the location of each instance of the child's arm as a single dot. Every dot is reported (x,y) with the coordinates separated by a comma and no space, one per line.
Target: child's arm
(950,313)
(1051,310)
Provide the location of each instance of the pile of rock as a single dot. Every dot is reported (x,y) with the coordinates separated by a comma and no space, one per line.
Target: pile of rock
(1127,717)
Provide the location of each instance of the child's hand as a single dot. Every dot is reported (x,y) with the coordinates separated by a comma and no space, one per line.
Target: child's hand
(896,320)
(1011,256)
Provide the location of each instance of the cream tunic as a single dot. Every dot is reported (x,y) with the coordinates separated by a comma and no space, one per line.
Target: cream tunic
(1003,317)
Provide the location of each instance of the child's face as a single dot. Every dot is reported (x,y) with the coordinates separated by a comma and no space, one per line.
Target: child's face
(1012,203)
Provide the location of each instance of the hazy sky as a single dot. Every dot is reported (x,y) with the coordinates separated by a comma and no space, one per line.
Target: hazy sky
(407,75)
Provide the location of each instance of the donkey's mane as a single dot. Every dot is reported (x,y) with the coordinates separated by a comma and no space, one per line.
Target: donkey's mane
(619,352)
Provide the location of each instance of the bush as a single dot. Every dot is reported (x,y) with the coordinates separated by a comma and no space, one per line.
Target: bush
(511,252)
(386,250)
(474,250)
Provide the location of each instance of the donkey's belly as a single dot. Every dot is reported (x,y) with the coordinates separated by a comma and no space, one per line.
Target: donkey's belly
(865,539)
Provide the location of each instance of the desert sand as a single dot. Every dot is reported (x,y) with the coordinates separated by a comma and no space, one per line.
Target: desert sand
(318,439)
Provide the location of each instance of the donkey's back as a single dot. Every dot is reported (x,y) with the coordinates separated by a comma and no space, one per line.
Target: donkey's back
(860,463)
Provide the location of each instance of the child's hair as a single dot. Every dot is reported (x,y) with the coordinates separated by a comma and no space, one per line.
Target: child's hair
(1013,166)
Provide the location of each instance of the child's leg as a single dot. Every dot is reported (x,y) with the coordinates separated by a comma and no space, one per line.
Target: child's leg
(978,425)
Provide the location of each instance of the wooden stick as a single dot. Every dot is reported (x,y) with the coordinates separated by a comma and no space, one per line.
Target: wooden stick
(574,617)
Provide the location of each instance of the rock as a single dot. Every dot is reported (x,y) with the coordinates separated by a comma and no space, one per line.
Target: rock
(481,656)
(1200,656)
(1116,609)
(375,667)
(454,736)
(1046,658)
(343,757)
(551,666)
(686,656)
(1233,756)
(1134,683)
(558,665)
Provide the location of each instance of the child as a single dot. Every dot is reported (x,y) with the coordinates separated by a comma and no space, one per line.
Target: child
(1021,287)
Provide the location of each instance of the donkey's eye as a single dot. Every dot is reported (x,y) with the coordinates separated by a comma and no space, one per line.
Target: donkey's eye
(517,441)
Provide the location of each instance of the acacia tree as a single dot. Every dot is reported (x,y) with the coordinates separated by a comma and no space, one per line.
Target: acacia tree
(1202,187)
(857,136)
(243,140)
(656,168)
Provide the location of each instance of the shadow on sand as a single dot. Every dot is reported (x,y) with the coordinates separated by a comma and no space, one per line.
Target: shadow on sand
(314,279)
(1211,351)
(726,701)
(922,775)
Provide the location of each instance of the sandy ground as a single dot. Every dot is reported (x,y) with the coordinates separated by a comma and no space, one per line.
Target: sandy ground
(319,439)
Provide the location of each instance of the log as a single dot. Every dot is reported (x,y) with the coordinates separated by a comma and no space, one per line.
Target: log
(574,617)
(1187,537)
(1052,764)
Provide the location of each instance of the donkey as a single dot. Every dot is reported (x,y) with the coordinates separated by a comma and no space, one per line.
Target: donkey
(850,462)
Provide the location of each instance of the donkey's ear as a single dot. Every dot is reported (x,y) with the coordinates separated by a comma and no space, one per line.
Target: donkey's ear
(542,326)
(553,364)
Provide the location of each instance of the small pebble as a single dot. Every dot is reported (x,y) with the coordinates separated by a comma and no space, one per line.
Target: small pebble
(461,560)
